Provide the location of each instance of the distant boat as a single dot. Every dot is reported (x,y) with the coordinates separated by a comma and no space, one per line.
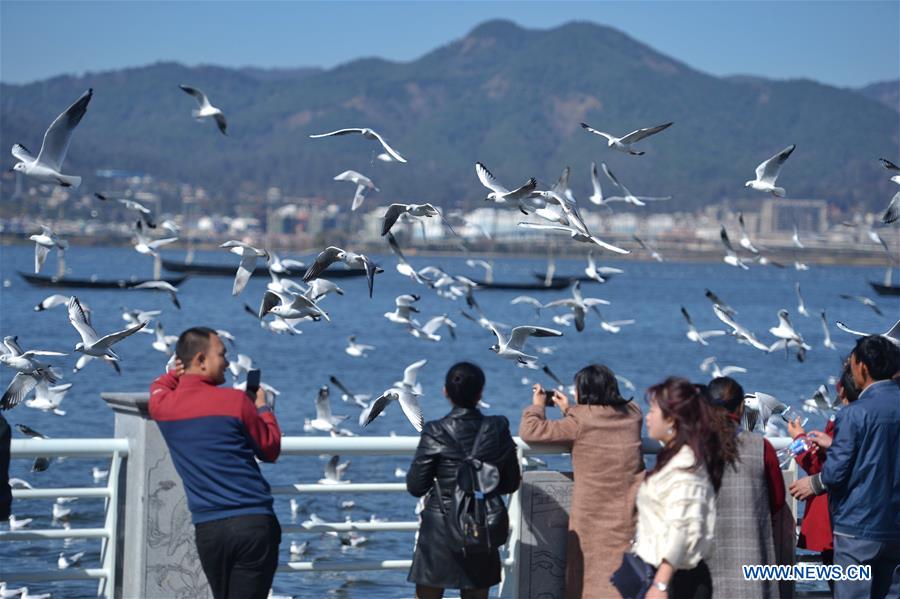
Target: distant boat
(542,276)
(92,282)
(886,288)
(228,270)
(556,284)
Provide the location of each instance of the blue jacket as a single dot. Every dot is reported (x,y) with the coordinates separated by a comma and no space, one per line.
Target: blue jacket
(862,469)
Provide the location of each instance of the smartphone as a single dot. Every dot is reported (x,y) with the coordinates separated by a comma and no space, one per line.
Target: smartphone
(253,382)
(548,397)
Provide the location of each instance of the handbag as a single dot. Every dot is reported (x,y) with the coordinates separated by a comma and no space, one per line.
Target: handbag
(633,577)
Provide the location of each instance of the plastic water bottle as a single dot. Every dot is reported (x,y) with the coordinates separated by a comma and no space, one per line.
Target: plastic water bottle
(797,446)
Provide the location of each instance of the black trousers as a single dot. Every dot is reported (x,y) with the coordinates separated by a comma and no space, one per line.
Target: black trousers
(695,583)
(239,555)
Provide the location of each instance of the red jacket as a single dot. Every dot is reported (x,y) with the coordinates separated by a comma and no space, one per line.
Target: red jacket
(815,530)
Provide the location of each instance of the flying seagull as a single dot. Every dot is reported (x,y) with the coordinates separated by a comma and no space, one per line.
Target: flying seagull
(406,393)
(513,348)
(653,253)
(91,343)
(144,213)
(699,336)
(362,184)
(866,301)
(334,472)
(394,212)
(578,304)
(206,109)
(731,256)
(366,133)
(628,197)
(46,167)
(500,194)
(768,171)
(745,239)
(828,343)
(164,286)
(623,144)
(290,306)
(333,254)
(801,305)
(248,255)
(45,241)
(739,331)
(892,334)
(717,301)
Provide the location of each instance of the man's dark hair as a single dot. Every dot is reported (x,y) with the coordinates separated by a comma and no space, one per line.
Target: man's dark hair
(191,342)
(725,392)
(848,384)
(464,383)
(597,386)
(880,355)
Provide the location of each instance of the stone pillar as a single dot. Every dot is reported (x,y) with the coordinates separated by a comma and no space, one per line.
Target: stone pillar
(545,498)
(157,557)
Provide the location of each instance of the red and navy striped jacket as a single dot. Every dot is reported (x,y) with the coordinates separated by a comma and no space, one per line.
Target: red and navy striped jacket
(214,435)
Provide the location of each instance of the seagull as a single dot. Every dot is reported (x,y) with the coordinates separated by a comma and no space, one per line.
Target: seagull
(333,254)
(18,524)
(45,241)
(334,472)
(161,286)
(91,343)
(717,301)
(405,393)
(768,171)
(29,371)
(500,194)
(7,592)
(18,483)
(745,239)
(578,304)
(394,212)
(47,398)
(788,336)
(429,330)
(145,214)
(513,347)
(290,306)
(739,331)
(403,308)
(699,336)
(60,511)
(147,247)
(99,474)
(487,266)
(577,234)
(598,272)
(362,184)
(795,238)
(248,255)
(357,350)
(864,301)
(368,134)
(623,144)
(892,214)
(801,306)
(298,549)
(531,301)
(324,420)
(362,400)
(892,334)
(613,326)
(628,197)
(597,195)
(653,253)
(134,317)
(731,256)
(26,595)
(711,363)
(403,266)
(243,363)
(85,359)
(206,109)
(46,167)
(828,343)
(766,405)
(284,267)
(62,563)
(821,402)
(52,301)
(162,342)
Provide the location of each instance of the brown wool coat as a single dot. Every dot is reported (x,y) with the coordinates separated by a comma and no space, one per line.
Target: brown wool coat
(608,468)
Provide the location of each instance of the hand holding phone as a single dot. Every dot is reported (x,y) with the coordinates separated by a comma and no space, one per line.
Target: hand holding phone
(548,397)
(253,377)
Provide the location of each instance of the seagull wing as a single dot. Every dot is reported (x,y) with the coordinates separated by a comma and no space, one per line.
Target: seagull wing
(411,371)
(81,321)
(411,408)
(687,316)
(892,214)
(198,95)
(723,234)
(109,340)
(40,256)
(359,196)
(519,335)
(595,184)
(768,171)
(371,269)
(390,217)
(347,131)
(394,154)
(221,123)
(270,300)
(334,381)
(488,180)
(524,191)
(378,406)
(323,405)
(331,472)
(325,259)
(847,329)
(590,129)
(56,139)
(889,165)
(244,271)
(18,389)
(22,153)
(642,133)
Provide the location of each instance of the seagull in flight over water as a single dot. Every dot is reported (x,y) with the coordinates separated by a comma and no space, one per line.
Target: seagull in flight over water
(366,133)
(623,144)
(768,171)
(206,109)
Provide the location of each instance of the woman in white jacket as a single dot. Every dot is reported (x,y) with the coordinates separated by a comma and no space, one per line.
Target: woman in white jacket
(676,504)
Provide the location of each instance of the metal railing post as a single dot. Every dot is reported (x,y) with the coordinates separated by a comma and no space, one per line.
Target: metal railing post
(108,587)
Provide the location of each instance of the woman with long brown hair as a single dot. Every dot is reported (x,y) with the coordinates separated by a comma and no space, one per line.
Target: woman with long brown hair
(676,504)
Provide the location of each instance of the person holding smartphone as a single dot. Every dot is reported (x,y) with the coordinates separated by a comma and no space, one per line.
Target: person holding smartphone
(603,431)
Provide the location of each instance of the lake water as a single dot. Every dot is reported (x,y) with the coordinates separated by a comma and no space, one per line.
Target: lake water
(645,352)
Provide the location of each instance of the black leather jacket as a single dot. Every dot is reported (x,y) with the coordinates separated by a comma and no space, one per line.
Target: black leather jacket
(438,456)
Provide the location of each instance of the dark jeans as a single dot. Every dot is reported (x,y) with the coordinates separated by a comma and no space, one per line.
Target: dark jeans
(239,555)
(883,557)
(691,584)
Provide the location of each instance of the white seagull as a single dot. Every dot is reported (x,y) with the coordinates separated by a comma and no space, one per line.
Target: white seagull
(394,212)
(333,254)
(92,344)
(731,256)
(827,342)
(52,301)
(357,350)
(768,171)
(739,331)
(892,334)
(745,239)
(513,348)
(597,273)
(710,363)
(65,562)
(500,194)
(47,398)
(290,306)
(325,421)
(248,255)
(866,301)
(206,109)
(46,167)
(623,144)
(405,393)
(801,305)
(360,399)
(579,305)
(699,336)
(627,196)
(653,253)
(45,241)
(163,286)
(366,133)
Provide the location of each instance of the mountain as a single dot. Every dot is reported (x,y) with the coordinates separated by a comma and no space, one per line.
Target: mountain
(886,92)
(507,96)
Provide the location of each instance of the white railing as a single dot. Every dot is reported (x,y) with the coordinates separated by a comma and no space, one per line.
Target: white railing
(114,449)
(117,450)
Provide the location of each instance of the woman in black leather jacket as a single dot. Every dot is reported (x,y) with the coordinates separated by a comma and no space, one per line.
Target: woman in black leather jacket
(435,566)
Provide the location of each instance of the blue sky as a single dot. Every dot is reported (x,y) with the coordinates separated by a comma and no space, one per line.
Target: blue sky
(841,43)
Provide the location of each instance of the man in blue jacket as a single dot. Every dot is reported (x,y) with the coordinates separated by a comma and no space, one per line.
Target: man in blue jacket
(862,474)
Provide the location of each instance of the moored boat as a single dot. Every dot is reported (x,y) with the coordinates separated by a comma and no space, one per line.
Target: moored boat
(93,282)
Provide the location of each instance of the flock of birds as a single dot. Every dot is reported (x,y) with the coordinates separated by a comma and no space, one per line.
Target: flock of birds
(287,304)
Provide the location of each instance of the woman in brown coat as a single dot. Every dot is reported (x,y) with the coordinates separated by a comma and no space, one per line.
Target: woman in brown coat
(604,432)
